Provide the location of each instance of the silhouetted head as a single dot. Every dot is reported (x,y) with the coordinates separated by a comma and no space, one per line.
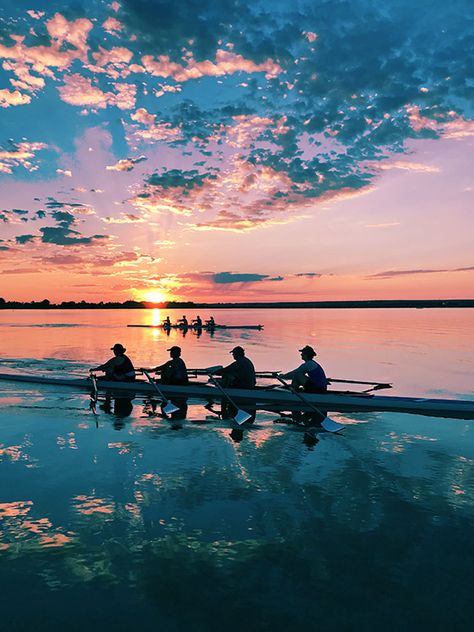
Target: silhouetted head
(118,349)
(238,352)
(307,352)
(175,352)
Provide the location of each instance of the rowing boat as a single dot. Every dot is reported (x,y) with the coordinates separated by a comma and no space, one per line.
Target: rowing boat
(270,398)
(205,327)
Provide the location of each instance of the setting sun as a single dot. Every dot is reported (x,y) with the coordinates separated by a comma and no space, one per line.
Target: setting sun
(154,296)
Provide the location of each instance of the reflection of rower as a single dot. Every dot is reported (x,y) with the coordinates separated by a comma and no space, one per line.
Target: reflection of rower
(210,323)
(183,322)
(167,323)
(197,322)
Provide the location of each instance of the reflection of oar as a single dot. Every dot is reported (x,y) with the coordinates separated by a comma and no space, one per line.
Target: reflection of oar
(328,424)
(241,416)
(95,392)
(166,406)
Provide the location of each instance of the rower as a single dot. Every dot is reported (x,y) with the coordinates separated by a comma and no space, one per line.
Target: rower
(167,322)
(210,323)
(197,322)
(173,371)
(310,375)
(183,322)
(119,368)
(240,373)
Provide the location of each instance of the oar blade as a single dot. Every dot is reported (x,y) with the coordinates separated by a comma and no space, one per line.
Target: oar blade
(331,426)
(241,417)
(170,408)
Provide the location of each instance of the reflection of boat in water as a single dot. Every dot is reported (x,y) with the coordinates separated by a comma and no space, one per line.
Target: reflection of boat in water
(199,328)
(275,399)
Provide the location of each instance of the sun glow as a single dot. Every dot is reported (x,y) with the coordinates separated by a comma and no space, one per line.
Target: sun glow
(154,296)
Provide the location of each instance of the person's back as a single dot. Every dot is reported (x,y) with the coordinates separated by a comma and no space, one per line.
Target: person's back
(239,374)
(119,368)
(175,372)
(244,372)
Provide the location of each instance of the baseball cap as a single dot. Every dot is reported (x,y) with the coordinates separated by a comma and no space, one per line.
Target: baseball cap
(308,349)
(118,347)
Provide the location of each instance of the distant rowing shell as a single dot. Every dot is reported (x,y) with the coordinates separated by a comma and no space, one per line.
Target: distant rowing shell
(206,327)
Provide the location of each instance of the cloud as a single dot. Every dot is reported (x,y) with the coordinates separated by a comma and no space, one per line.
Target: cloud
(20,154)
(231,277)
(11,98)
(390,274)
(126,164)
(308,275)
(63,236)
(24,239)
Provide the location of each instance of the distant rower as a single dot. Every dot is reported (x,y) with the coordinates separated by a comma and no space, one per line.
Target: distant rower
(167,322)
(119,368)
(210,323)
(183,322)
(309,375)
(197,322)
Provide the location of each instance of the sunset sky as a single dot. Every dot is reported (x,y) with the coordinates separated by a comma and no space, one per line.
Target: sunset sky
(225,150)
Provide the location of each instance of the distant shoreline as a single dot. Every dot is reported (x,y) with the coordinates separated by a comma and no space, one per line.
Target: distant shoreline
(370,304)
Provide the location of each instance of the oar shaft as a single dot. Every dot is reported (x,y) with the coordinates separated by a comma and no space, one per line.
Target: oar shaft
(154,384)
(241,416)
(333,379)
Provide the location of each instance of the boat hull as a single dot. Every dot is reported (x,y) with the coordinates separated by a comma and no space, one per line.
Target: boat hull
(269,399)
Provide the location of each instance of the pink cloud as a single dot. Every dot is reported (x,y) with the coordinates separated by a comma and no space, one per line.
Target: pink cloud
(75,32)
(126,96)
(20,155)
(13,98)
(226,63)
(78,90)
(142,116)
(116,55)
(112,26)
(404,165)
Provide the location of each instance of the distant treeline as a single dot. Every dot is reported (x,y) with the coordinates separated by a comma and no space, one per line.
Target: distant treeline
(419,304)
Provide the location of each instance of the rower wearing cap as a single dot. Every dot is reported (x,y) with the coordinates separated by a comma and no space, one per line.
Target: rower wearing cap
(309,375)
(239,374)
(173,371)
(119,368)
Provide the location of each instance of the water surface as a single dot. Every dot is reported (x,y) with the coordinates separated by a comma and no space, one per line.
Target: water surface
(125,521)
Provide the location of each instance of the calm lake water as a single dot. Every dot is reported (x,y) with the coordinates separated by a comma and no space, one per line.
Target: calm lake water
(129,521)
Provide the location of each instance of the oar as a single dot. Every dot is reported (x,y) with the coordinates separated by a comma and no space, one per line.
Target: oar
(206,371)
(376,385)
(166,406)
(241,416)
(328,424)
